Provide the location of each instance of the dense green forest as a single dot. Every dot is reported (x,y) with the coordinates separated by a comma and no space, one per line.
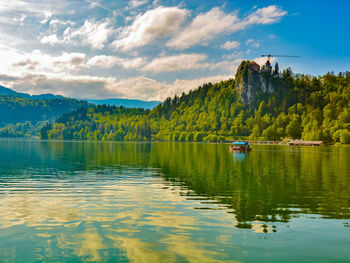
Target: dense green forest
(302,106)
(25,116)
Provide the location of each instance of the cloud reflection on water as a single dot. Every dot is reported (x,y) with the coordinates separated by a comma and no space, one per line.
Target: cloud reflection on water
(139,218)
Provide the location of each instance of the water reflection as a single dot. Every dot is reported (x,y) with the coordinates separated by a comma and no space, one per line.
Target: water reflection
(118,218)
(150,202)
(239,157)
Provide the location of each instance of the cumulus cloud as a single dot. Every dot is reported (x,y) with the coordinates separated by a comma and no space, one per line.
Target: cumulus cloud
(51,39)
(266,15)
(176,63)
(18,64)
(104,61)
(73,73)
(157,23)
(92,33)
(216,22)
(230,45)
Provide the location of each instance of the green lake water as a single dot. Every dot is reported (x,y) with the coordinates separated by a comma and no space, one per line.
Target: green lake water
(172,202)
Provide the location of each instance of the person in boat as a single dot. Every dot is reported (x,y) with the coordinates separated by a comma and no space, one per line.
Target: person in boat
(240,146)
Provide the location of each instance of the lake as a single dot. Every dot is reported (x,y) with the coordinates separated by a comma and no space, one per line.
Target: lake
(172,202)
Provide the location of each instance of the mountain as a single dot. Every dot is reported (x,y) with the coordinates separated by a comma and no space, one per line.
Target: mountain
(259,104)
(17,109)
(24,115)
(126,103)
(10,92)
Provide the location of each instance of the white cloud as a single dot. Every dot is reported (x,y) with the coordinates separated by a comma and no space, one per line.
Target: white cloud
(51,39)
(249,41)
(156,23)
(18,64)
(262,60)
(55,24)
(216,22)
(103,61)
(266,15)
(230,45)
(92,33)
(204,27)
(136,3)
(176,63)
(83,86)
(41,10)
(234,55)
(94,4)
(252,43)
(228,66)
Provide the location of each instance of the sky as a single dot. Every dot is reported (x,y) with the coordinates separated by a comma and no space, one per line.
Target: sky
(153,49)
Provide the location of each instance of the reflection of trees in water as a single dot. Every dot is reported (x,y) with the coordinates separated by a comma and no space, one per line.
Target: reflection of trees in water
(271,183)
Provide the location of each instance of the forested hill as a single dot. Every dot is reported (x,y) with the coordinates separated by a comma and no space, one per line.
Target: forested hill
(25,116)
(259,104)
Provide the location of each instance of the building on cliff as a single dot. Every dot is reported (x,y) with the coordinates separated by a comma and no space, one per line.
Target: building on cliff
(251,80)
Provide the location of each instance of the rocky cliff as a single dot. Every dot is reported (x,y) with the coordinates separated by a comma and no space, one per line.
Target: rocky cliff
(251,80)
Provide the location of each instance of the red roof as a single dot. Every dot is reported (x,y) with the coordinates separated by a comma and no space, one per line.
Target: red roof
(254,65)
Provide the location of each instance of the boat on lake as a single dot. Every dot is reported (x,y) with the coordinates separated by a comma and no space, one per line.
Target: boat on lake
(240,147)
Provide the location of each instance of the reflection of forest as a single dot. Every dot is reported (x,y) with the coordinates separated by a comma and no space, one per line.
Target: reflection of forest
(272,183)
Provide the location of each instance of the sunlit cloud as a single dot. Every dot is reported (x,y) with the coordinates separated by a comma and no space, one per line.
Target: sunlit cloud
(176,63)
(215,22)
(133,49)
(230,45)
(104,61)
(157,23)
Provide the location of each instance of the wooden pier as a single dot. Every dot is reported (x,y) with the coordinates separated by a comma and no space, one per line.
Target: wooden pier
(305,143)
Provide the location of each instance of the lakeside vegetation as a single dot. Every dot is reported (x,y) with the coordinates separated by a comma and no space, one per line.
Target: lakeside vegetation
(303,106)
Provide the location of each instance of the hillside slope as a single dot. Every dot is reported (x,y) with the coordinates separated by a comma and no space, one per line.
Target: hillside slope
(296,106)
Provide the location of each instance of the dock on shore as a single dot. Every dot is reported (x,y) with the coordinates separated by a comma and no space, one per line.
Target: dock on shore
(305,143)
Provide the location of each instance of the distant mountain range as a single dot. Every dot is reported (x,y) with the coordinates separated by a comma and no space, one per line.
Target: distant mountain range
(115,101)
(127,103)
(10,92)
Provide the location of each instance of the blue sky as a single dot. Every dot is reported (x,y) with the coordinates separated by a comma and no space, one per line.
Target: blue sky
(151,49)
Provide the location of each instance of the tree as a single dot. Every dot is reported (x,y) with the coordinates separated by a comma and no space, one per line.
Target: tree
(345,137)
(276,70)
(293,129)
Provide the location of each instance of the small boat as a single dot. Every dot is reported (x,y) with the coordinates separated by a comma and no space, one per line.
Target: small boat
(240,147)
